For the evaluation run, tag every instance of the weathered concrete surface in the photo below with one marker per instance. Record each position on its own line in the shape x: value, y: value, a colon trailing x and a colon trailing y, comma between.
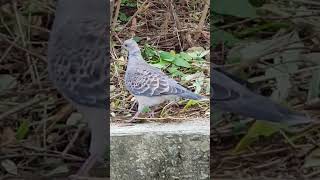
x: 160, y: 151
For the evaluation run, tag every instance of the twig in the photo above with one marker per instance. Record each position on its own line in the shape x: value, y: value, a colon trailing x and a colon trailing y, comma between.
x: 61, y: 114
x: 40, y: 154
x: 135, y: 14
x: 71, y: 143
x: 116, y: 14
x: 202, y: 20
x: 176, y: 21
x: 22, y: 48
x: 21, y: 106
x: 8, y: 50
x: 256, y: 154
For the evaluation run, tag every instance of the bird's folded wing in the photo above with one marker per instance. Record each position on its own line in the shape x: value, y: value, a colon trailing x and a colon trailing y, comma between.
x: 147, y: 82
x: 80, y: 68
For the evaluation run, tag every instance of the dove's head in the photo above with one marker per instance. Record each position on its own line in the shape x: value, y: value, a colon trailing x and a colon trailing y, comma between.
x: 131, y: 46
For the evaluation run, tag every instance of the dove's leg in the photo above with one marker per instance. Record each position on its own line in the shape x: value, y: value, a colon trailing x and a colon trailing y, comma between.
x: 134, y: 103
x: 99, y: 138
x: 133, y: 119
x: 141, y: 106
x: 151, y: 114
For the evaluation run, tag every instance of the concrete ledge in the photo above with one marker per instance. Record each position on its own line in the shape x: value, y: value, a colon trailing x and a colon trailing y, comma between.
x: 160, y: 150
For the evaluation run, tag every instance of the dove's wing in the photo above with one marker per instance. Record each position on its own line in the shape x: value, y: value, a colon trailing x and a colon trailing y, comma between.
x: 77, y: 63
x: 145, y: 80
x: 148, y: 82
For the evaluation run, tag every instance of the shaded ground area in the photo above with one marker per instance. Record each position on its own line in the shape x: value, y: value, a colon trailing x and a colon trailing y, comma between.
x: 277, y: 51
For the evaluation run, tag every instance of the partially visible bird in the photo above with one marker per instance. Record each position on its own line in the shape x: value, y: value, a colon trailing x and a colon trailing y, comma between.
x: 148, y: 84
x: 78, y: 64
x: 232, y: 96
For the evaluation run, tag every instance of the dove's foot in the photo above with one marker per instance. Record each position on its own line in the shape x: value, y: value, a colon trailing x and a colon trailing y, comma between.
x: 134, y: 118
x: 151, y: 114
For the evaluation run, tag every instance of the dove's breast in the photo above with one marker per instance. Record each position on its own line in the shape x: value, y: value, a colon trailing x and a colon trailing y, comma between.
x: 145, y: 101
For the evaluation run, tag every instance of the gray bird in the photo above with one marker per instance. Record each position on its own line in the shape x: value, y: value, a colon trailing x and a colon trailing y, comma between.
x: 229, y: 94
x: 78, y: 64
x: 148, y: 84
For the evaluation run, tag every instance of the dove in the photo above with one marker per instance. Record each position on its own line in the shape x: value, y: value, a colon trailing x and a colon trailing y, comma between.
x: 78, y: 64
x: 230, y: 95
x: 148, y: 84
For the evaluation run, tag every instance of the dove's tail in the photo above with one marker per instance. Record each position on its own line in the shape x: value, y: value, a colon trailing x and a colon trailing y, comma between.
x: 191, y: 95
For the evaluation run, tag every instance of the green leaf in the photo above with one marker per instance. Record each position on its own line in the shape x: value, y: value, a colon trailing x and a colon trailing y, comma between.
x: 149, y: 52
x: 161, y: 64
x: 128, y: 3
x: 198, y: 84
x: 185, y: 56
x: 175, y: 72
x: 190, y: 103
x: 259, y: 128
x: 197, y: 53
x: 166, y: 56
x: 146, y: 109
x: 137, y: 39
x: 181, y: 62
x: 22, y: 130
x: 238, y: 8
x: 123, y: 17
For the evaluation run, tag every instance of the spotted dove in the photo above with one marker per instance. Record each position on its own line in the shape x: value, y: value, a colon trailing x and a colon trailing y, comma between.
x: 148, y: 84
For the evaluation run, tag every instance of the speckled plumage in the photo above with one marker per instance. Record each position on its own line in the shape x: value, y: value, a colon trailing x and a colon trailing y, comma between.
x: 148, y: 84
x: 77, y: 57
x: 78, y: 64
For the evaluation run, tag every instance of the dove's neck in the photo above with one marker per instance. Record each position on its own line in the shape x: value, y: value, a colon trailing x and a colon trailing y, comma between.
x: 136, y: 57
x: 135, y: 52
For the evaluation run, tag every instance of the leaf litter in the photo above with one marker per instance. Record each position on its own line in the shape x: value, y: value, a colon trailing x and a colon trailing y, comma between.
x: 280, y: 61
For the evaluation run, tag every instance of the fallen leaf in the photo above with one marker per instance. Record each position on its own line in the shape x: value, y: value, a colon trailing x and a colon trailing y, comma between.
x: 10, y: 166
